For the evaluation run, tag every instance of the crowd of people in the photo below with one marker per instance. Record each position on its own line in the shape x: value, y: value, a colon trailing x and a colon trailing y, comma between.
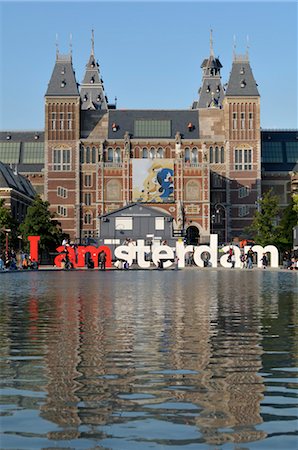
x: 11, y: 260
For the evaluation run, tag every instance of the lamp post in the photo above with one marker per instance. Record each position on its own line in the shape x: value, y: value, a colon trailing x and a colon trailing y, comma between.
x: 217, y: 208
x: 7, y: 231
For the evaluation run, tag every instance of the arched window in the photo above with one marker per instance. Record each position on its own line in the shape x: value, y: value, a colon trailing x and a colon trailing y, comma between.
x: 159, y: 153
x: 117, y: 155
x: 222, y: 155
x: 82, y: 155
x: 110, y: 154
x: 87, y: 155
x: 216, y: 155
x: 195, y: 156
x: 93, y: 155
x: 144, y: 153
x: 152, y: 153
x: 187, y: 155
x: 211, y: 155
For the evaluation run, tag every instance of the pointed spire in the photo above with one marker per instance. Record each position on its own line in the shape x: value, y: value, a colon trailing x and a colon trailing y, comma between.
x: 234, y: 47
x: 92, y: 42
x: 211, y: 43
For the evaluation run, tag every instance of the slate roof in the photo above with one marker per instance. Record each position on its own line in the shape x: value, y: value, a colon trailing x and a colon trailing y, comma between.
x: 211, y: 93
x: 9, y: 179
x: 92, y: 90
x: 241, y: 82
x: 21, y: 136
x: 63, y: 81
x: 89, y: 119
x: 124, y: 119
x: 134, y: 209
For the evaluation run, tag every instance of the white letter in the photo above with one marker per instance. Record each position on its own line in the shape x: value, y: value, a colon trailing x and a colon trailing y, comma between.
x: 163, y: 252
x: 224, y: 259
x: 267, y: 249
x: 180, y: 253
x: 212, y: 249
x: 125, y: 253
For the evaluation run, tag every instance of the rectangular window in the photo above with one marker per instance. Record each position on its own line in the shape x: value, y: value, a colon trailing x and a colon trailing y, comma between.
x: 247, y: 159
x: 242, y: 121
x: 250, y: 120
x: 53, y: 121
x: 243, y: 192
x: 88, y: 181
x: 62, y: 192
x: 61, y: 211
x: 243, y: 159
x: 243, y: 210
x: 61, y: 159
x: 152, y: 128
x: 61, y: 115
x: 272, y: 152
x: 292, y: 152
x: 234, y: 121
x: 123, y: 223
x: 159, y: 223
x: 69, y: 121
x: 88, y: 199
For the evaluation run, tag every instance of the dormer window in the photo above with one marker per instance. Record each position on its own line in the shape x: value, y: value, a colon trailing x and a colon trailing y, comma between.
x: 242, y: 71
x: 8, y: 137
x: 92, y: 80
x: 243, y: 84
x: 36, y: 137
x: 217, y: 89
x: 208, y: 89
x: 85, y: 98
x: 98, y: 98
x: 63, y: 83
x: 114, y: 127
x: 93, y: 64
x: 63, y: 71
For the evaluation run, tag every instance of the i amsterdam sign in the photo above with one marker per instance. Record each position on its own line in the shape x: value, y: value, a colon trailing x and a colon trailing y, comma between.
x: 165, y: 253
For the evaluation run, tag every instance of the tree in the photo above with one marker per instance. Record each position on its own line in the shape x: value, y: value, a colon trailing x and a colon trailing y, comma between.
x: 7, y: 223
x: 289, y: 220
x: 264, y: 227
x: 39, y: 221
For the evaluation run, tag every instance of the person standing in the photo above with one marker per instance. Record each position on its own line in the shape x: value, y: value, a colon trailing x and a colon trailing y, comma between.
x: 102, y: 260
x: 264, y: 260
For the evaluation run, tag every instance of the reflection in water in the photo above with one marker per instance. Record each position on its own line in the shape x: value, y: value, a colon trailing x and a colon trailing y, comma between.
x: 139, y: 360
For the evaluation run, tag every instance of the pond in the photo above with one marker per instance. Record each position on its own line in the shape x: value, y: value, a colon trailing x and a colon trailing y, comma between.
x: 138, y: 360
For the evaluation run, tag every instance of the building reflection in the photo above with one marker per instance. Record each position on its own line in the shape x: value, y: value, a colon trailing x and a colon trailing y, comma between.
x: 110, y: 352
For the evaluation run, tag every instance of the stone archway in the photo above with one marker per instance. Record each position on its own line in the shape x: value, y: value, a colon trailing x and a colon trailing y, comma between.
x: 192, y: 235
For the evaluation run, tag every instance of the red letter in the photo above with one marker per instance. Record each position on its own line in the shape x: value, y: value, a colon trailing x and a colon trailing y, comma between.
x: 34, y: 246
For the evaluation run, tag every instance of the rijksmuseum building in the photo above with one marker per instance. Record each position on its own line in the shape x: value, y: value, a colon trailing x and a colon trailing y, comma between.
x: 202, y: 169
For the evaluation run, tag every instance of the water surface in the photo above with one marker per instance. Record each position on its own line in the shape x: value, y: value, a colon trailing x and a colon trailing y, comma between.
x: 139, y: 360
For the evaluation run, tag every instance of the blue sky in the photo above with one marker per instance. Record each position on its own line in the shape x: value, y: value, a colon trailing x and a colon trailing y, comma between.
x: 149, y: 53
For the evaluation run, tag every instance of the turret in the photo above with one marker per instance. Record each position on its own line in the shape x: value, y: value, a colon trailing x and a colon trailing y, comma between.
x: 92, y: 90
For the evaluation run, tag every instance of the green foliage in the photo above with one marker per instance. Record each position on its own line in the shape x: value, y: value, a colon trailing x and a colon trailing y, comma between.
x: 289, y: 220
x: 39, y: 221
x: 7, y: 223
x: 295, y: 202
x: 264, y: 227
x: 272, y: 226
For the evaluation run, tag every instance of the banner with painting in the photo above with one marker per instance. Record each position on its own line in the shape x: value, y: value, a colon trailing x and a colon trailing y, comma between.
x: 153, y: 180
